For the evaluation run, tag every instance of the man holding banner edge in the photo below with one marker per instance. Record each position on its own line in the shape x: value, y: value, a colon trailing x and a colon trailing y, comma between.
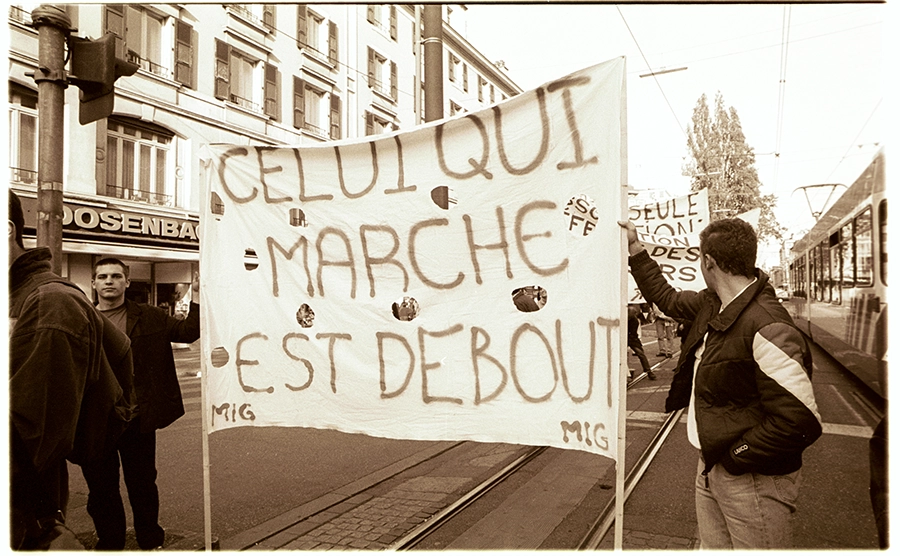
x: 751, y: 409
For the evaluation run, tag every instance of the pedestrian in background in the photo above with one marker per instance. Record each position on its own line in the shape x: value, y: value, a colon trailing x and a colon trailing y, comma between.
x: 159, y: 404
x: 665, y: 332
x: 65, y: 400
x: 744, y: 375
x: 634, y: 340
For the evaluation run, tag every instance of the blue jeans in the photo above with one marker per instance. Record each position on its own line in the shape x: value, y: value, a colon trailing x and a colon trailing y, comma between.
x: 745, y: 511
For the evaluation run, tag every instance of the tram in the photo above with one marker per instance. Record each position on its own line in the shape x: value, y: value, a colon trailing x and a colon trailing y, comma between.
x: 838, y: 279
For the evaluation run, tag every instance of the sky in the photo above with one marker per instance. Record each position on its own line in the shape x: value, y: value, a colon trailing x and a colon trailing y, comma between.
x: 807, y: 82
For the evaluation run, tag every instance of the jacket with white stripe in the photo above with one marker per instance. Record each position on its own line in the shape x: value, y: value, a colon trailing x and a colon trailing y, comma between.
x: 754, y: 401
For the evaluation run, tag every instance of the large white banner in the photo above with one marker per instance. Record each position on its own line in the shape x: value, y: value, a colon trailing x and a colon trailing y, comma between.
x: 458, y: 281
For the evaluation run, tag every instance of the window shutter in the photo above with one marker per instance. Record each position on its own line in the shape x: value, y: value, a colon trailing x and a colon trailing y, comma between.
x: 370, y: 123
x: 332, y: 42
x: 465, y: 77
x: 394, y: 81
x: 394, y: 22
x: 371, y: 55
x: 271, y: 92
x: 450, y: 74
x: 115, y: 19
x: 222, y: 72
x: 269, y: 16
x: 370, y: 13
x: 184, y: 53
x: 299, y: 105
x: 301, y: 26
x: 335, y: 116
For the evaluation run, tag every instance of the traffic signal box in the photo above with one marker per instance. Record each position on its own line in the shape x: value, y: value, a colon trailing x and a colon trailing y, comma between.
x: 95, y: 69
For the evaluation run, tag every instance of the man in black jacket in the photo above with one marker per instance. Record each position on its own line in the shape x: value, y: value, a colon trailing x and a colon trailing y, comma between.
x: 159, y: 404
x: 744, y: 375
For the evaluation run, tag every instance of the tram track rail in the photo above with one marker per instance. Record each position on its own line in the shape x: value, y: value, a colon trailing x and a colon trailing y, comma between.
x: 600, y: 526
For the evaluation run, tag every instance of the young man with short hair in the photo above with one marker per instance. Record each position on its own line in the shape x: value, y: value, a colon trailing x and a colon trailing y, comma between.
x: 744, y: 375
x: 159, y: 404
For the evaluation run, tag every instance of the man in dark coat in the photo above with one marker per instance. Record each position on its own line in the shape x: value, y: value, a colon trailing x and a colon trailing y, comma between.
x: 744, y: 375
x: 69, y: 390
x: 159, y: 404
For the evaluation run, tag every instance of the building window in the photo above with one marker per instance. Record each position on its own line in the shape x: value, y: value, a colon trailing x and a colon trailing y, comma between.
x: 481, y: 86
x: 383, y: 18
x: 452, y: 67
x: 245, y: 81
x: 455, y: 108
x: 382, y: 75
x: 316, y: 34
x: 258, y: 14
x: 465, y: 77
x: 23, y: 134
x: 492, y: 94
x: 376, y: 125
x: 316, y: 111
x: 137, y: 162
x: 143, y: 40
x: 154, y: 42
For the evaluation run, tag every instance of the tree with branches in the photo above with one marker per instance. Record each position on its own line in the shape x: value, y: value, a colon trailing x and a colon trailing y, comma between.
x: 722, y: 162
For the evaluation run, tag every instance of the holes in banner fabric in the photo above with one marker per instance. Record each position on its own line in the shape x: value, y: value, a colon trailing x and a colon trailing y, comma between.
x: 219, y: 357
x: 216, y: 206
x: 443, y: 197
x: 251, y: 261
x: 405, y: 309
x: 581, y: 215
x: 298, y: 218
x: 305, y: 316
x: 529, y: 298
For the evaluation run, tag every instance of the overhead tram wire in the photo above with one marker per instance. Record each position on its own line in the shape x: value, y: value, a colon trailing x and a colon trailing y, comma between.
x: 782, y: 84
x: 669, y: 104
x: 878, y: 104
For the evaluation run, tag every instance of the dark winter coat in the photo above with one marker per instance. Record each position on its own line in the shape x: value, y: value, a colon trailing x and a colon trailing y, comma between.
x: 152, y: 331
x: 754, y: 402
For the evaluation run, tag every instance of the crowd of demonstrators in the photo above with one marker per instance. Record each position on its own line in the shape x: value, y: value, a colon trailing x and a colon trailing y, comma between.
x: 69, y: 390
x: 744, y: 375
x: 159, y: 403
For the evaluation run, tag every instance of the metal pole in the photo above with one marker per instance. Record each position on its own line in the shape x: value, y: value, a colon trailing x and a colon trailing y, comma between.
x: 53, y: 25
x: 434, y: 62
x: 417, y: 94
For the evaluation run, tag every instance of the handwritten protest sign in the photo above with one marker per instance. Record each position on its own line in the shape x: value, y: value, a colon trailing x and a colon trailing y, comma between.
x: 670, y: 230
x: 457, y: 281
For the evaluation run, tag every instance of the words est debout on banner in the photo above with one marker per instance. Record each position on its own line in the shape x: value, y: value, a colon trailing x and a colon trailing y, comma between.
x: 460, y: 281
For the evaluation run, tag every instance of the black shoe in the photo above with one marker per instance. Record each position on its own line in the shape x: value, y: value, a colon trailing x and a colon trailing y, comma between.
x: 660, y: 354
x: 650, y: 375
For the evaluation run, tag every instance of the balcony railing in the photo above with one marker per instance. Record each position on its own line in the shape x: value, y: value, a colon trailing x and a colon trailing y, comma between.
x: 244, y: 103
x: 141, y: 196
x: 147, y: 65
x: 20, y: 15
x: 314, y: 129
x: 20, y: 175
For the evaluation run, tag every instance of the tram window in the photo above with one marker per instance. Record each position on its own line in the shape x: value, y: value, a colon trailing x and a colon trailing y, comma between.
x: 825, y: 267
x: 882, y: 239
x: 848, y: 279
x: 835, y: 272
x: 801, y: 281
x: 863, y: 243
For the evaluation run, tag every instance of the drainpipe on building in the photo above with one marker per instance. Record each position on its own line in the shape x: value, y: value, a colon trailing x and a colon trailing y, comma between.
x: 434, y: 63
x: 54, y: 26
